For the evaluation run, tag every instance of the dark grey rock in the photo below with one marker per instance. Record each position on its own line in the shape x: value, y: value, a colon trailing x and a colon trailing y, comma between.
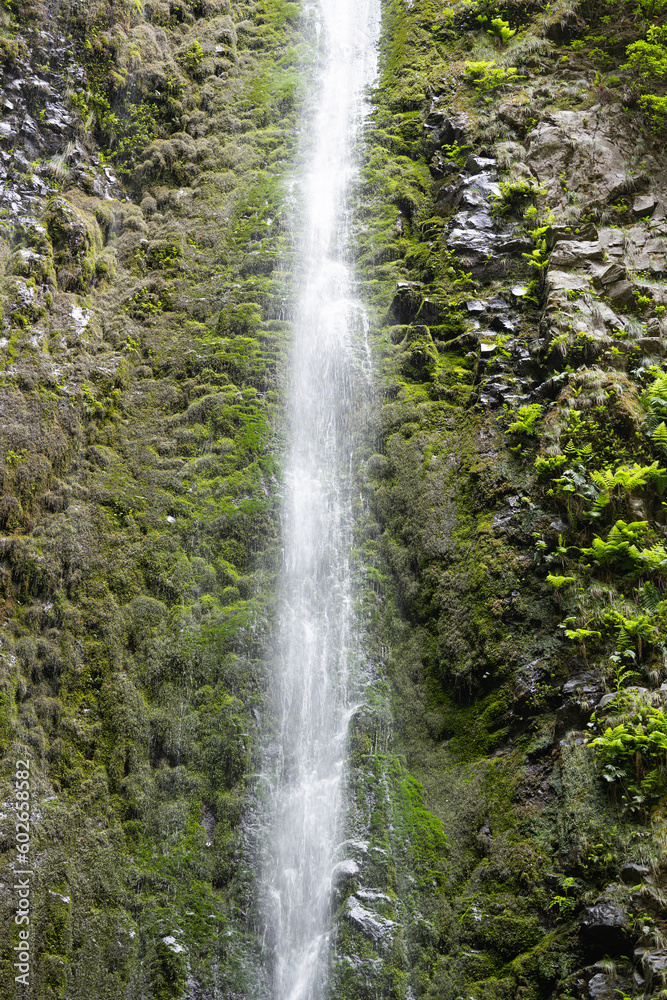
x: 558, y: 234
x: 444, y: 128
x: 375, y: 927
x: 440, y: 167
x: 515, y: 115
x: 620, y: 293
x: 652, y: 345
x: 406, y: 302
x: 477, y: 164
x: 602, y: 987
x: 503, y: 323
x: 479, y: 220
x: 479, y: 189
x: 605, y: 925
x: 606, y: 701
x: 637, y: 235
x: 476, y: 242
x: 608, y: 316
x: 655, y: 245
x: 654, y: 967
x: 613, y: 240
x: 584, y: 684
x: 562, y: 281
x: 632, y: 873
x: 514, y: 245
x: 607, y: 274
x: 569, y: 253
x: 644, y: 205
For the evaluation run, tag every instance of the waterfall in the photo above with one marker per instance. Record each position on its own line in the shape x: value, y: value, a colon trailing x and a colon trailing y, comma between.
x: 317, y: 646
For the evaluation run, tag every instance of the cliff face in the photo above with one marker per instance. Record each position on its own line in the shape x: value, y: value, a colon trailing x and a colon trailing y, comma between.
x: 509, y: 228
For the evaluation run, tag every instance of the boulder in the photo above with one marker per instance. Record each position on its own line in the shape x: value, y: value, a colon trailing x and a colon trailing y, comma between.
x: 479, y: 189
x: 569, y: 253
x: 562, y: 281
x: 514, y: 245
x: 473, y: 193
x: 344, y: 869
x: 644, y: 205
x: 613, y: 240
x: 443, y: 127
x: 608, y: 316
x: 478, y: 164
x: 620, y: 293
x: 605, y: 926
x: 607, y: 274
x: 515, y: 115
x: 602, y: 987
x: 479, y: 243
x: 652, y: 345
x: 556, y: 234
x: 479, y: 220
x: 373, y: 926
x: 406, y: 302
x: 637, y: 235
x: 654, y: 967
x: 632, y: 873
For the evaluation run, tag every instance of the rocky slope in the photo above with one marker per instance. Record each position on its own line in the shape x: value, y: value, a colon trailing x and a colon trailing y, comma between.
x: 510, y: 235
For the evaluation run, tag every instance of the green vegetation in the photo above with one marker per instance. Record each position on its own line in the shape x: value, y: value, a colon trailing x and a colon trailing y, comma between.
x: 508, y: 545
x: 487, y: 75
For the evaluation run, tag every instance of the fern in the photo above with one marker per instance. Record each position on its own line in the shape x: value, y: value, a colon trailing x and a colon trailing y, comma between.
x: 655, y: 401
x: 650, y: 598
x: 660, y: 435
x: 633, y: 632
x: 619, y: 549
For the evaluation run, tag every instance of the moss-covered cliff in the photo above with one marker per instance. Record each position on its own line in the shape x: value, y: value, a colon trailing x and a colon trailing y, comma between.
x: 510, y: 241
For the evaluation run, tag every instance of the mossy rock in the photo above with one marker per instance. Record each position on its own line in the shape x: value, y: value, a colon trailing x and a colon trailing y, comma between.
x: 27, y: 264
x: 76, y: 238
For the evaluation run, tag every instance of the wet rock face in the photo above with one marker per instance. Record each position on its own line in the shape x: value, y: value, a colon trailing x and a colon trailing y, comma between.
x: 602, y: 987
x: 473, y: 234
x: 74, y: 241
x: 378, y: 929
x: 443, y: 128
x: 585, y: 147
x: 605, y: 925
x: 633, y: 874
x: 40, y: 148
x: 654, y: 966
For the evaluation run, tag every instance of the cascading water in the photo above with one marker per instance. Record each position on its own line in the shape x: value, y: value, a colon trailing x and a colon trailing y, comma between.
x: 329, y: 379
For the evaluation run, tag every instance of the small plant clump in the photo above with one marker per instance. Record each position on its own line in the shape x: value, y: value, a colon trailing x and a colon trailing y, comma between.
x: 487, y: 75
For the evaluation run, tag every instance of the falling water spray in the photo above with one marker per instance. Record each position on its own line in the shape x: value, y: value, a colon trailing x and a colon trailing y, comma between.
x: 318, y: 650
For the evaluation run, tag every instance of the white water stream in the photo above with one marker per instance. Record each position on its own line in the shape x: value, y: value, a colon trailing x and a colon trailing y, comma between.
x: 317, y: 645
